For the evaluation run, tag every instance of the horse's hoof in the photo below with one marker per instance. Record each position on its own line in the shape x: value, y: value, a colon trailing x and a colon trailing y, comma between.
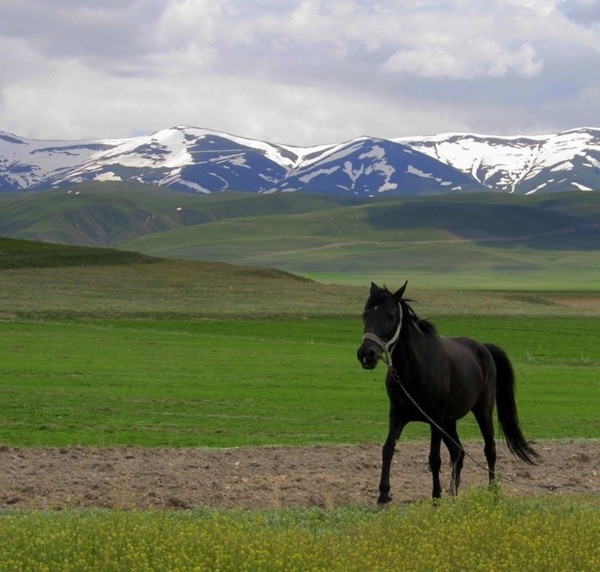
x: 384, y: 499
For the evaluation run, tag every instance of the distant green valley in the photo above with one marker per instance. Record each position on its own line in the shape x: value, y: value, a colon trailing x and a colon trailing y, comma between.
x: 488, y: 241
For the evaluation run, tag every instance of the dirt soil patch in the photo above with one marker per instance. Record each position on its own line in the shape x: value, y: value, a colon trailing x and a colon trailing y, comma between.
x: 580, y: 303
x: 267, y: 477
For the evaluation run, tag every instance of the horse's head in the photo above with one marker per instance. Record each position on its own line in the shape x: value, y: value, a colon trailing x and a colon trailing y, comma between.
x: 382, y: 318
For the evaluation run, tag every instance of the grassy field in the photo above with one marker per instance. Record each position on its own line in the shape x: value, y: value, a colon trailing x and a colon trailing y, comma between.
x: 104, y: 349
x: 259, y: 382
x: 123, y: 350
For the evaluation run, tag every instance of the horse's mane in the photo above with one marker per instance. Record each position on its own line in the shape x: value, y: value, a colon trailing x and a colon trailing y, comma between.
x: 424, y: 325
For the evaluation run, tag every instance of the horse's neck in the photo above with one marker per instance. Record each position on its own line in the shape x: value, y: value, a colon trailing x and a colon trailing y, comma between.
x: 414, y: 350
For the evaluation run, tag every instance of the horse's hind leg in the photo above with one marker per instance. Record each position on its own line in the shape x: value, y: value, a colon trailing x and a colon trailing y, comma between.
x: 486, y: 425
x: 457, y: 455
x: 387, y: 453
x: 435, y: 462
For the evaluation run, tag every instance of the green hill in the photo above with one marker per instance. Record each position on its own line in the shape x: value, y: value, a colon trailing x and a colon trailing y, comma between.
x: 109, y: 214
x: 479, y: 242
x: 476, y: 241
x: 39, y: 280
x: 20, y: 254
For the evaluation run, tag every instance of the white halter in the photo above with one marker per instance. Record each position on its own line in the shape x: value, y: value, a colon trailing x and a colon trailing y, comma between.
x: 387, y: 347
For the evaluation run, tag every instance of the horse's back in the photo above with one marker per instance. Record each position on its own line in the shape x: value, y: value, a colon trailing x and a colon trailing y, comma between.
x: 467, y: 352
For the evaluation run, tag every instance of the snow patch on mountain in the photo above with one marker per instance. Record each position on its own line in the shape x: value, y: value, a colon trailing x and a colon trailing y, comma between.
x: 317, y: 173
x: 581, y: 187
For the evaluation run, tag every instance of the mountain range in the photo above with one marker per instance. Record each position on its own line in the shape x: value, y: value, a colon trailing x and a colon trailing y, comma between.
x: 203, y: 161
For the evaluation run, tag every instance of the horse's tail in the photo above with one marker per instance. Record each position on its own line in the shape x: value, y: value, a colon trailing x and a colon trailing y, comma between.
x: 507, y: 407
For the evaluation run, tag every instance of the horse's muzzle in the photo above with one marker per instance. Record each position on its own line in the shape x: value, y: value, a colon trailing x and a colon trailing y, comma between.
x: 368, y: 355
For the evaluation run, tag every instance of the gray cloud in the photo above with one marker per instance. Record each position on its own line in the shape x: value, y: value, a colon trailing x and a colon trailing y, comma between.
x: 585, y: 12
x: 300, y: 72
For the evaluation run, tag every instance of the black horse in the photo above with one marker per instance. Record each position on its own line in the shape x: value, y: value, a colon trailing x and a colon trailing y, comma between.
x: 438, y: 380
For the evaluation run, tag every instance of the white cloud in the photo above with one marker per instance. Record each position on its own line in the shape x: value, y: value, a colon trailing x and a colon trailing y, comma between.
x: 486, y: 58
x: 300, y: 72
x: 86, y: 107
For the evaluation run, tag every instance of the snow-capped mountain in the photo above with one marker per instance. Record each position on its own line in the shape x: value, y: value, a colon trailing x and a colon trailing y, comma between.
x: 198, y: 160
x: 558, y: 162
x: 370, y: 166
x: 28, y: 164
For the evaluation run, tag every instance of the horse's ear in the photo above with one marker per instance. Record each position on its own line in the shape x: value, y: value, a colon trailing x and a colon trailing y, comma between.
x: 400, y: 292
x: 374, y: 288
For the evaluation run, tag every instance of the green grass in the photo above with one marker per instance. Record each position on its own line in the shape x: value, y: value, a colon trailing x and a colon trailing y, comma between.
x: 479, y: 531
x: 260, y: 382
x: 201, y: 383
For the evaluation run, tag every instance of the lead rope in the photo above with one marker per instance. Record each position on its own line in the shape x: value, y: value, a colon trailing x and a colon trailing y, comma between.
x: 495, y: 475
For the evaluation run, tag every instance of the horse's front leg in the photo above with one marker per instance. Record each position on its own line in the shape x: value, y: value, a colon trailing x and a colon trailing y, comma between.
x: 435, y: 462
x: 387, y: 453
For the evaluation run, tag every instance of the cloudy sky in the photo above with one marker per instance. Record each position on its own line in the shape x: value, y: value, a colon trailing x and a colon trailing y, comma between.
x: 301, y: 72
